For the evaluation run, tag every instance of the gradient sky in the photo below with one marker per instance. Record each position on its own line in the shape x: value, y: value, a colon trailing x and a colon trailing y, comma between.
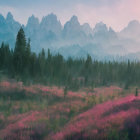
x: 115, y: 13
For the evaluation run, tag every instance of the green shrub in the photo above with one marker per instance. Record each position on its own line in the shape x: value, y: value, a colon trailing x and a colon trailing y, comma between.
x: 13, y: 95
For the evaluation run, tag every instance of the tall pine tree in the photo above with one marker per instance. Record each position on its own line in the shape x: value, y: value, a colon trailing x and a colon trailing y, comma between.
x: 20, y: 52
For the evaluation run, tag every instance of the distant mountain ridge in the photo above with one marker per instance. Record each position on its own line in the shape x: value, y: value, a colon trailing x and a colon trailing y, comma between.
x: 73, y: 39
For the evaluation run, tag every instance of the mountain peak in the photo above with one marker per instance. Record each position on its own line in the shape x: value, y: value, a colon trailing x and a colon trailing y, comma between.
x: 72, y: 23
x: 51, y: 23
x: 86, y: 28
x: 33, y: 21
x: 32, y: 17
x: 73, y: 29
x: 9, y: 16
x: 132, y: 30
x: 49, y: 18
x: 133, y: 26
x: 74, y: 19
x: 100, y: 27
x: 134, y: 23
x: 86, y: 25
x: 52, y: 15
x: 2, y: 18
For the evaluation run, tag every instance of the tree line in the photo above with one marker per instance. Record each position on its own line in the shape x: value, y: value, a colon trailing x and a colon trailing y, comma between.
x: 22, y: 64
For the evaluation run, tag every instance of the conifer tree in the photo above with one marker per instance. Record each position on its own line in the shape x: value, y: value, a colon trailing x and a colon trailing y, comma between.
x: 65, y: 91
x: 28, y: 50
x: 42, y: 62
x: 19, y: 59
x: 136, y: 92
x: 28, y: 58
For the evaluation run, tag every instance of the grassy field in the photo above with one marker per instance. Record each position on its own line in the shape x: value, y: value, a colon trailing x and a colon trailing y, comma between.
x: 39, y: 112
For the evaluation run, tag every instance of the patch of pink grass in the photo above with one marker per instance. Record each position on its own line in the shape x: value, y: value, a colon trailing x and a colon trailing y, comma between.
x: 107, y: 90
x: 10, y: 86
x: 20, y: 122
x: 55, y: 91
x: 63, y: 108
x: 93, y: 118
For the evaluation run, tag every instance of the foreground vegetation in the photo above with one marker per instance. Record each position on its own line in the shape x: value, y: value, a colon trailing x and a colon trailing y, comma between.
x: 40, y: 112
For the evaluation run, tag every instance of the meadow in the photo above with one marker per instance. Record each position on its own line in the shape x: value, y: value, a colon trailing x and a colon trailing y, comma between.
x: 39, y: 112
